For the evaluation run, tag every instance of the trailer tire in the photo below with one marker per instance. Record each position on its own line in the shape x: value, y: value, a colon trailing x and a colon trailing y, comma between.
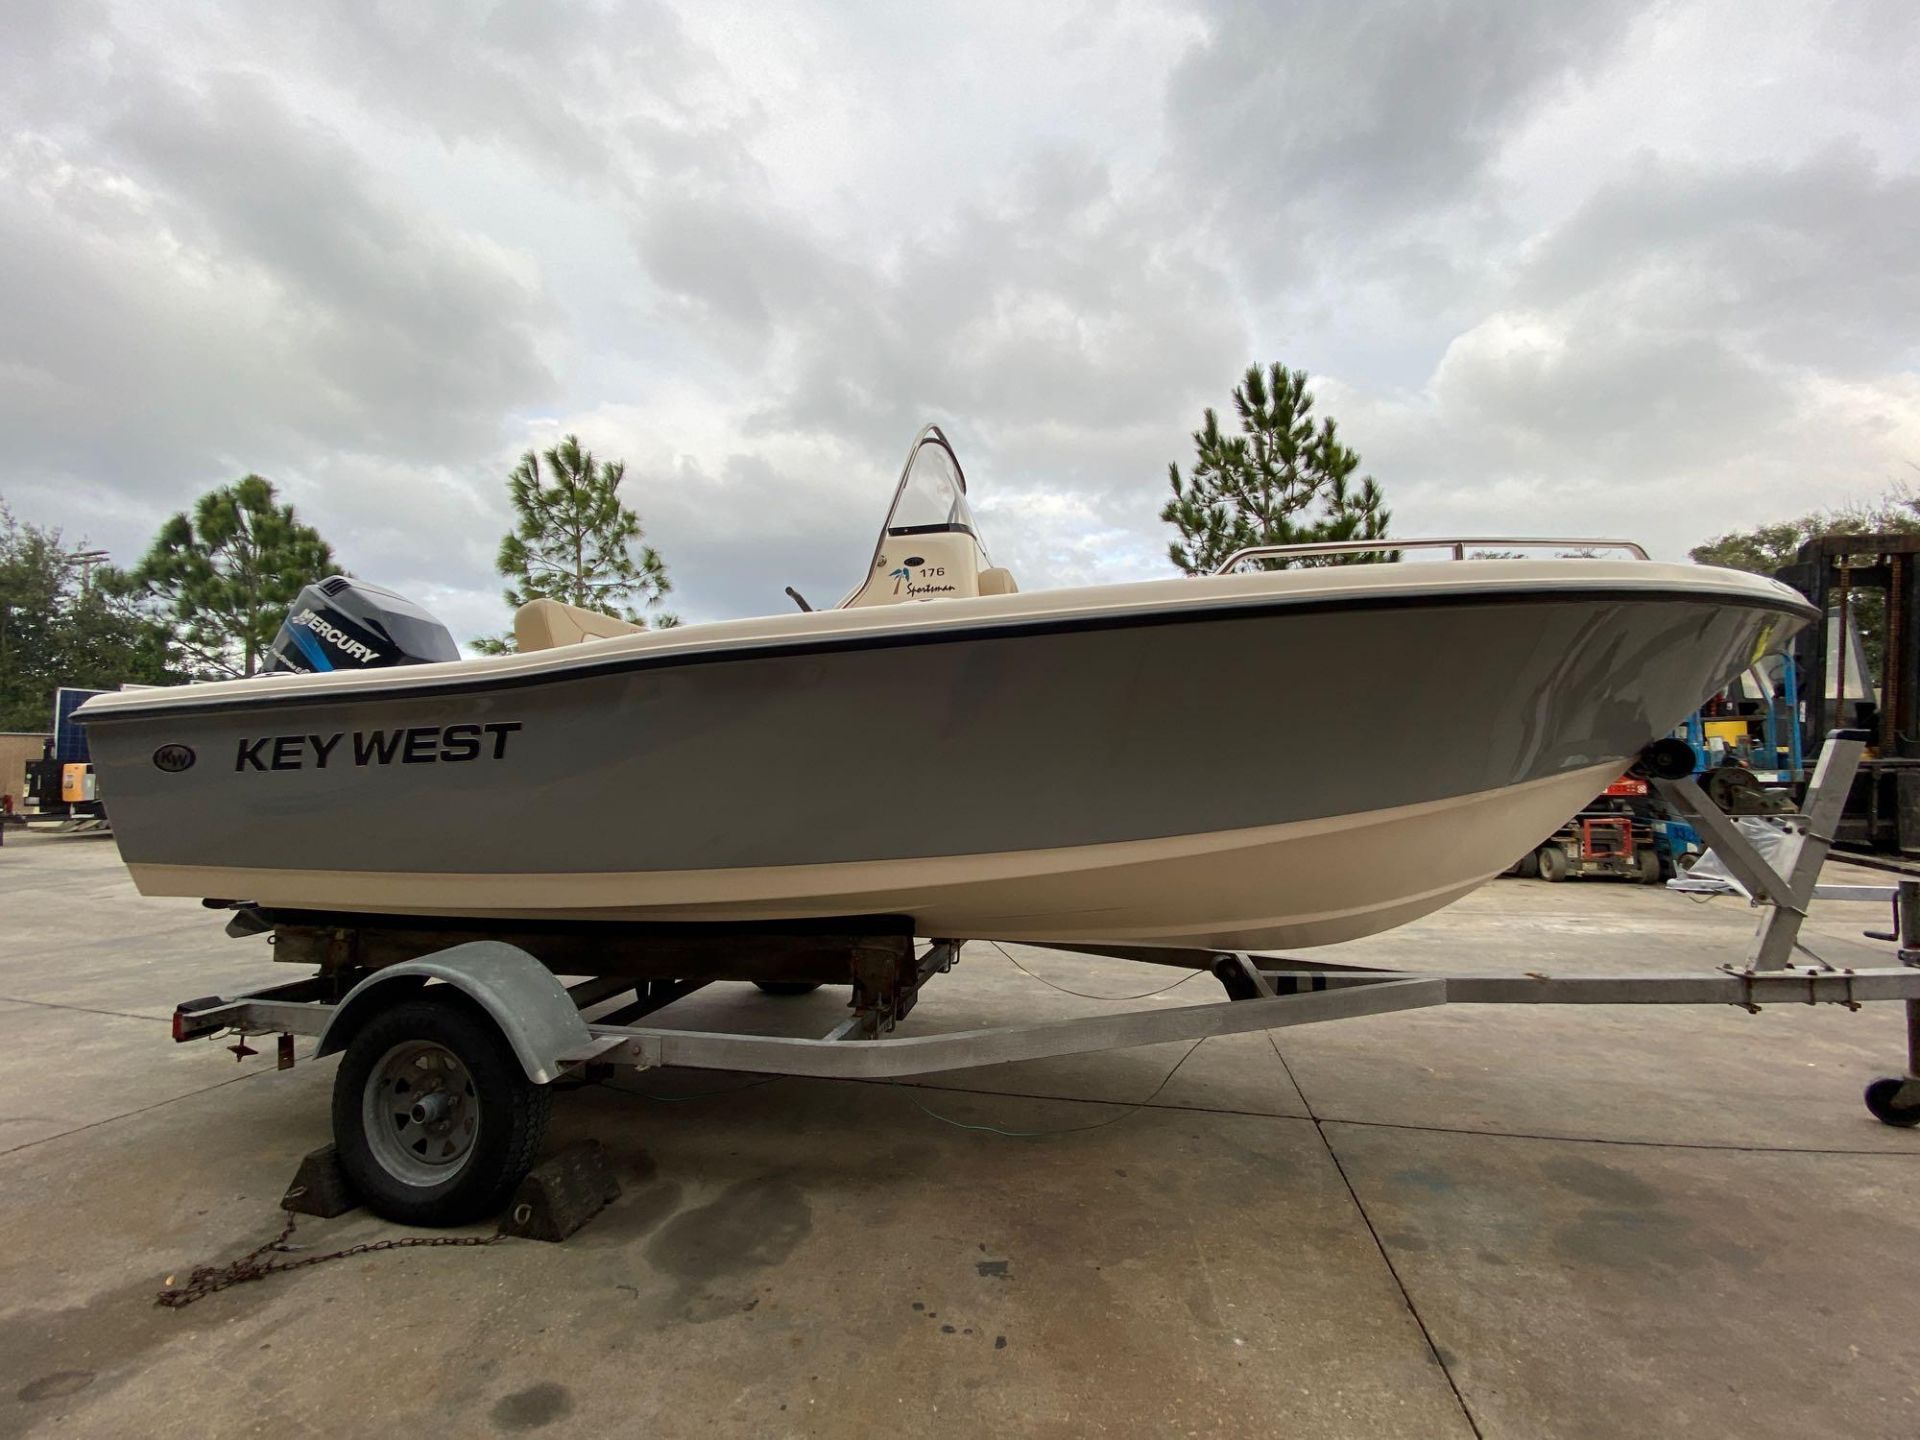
x: 1883, y: 1100
x: 435, y: 1161
x: 1553, y: 864
x: 1650, y: 869
x: 786, y: 987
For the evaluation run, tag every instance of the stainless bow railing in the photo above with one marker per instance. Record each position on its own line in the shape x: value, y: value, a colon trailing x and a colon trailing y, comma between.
x: 1459, y: 545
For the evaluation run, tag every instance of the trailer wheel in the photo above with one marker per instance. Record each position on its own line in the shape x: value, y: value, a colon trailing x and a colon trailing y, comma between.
x: 787, y: 987
x: 1553, y: 863
x: 434, y: 1120
x: 1883, y: 1099
x: 1650, y: 872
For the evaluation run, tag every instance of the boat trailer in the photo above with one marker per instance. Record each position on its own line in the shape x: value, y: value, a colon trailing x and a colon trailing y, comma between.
x: 440, y: 1028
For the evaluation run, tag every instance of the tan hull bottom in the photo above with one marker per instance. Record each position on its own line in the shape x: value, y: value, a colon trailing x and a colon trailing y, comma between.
x: 1311, y: 882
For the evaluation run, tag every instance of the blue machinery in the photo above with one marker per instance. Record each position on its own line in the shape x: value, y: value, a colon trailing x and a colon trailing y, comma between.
x: 1779, y: 759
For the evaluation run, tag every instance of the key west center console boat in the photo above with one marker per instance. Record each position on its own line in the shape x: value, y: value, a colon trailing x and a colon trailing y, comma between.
x: 1260, y: 758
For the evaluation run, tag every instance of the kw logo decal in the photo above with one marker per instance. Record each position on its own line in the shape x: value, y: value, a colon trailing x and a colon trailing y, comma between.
x: 173, y: 758
x: 415, y: 745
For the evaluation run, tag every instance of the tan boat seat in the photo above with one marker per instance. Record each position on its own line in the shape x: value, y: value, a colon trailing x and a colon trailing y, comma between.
x: 547, y: 624
x: 997, y: 580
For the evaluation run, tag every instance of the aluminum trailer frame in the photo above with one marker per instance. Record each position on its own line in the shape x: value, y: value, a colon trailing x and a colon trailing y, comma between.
x: 436, y: 1041
x: 1265, y: 992
x: 1290, y: 997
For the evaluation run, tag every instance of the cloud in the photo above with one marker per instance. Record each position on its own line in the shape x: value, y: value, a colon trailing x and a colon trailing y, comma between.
x: 1344, y: 120
x: 1629, y: 266
x: 1693, y: 349
x: 1808, y: 262
x: 213, y: 275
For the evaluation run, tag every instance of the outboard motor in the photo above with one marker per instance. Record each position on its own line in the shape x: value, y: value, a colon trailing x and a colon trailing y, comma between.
x: 345, y: 624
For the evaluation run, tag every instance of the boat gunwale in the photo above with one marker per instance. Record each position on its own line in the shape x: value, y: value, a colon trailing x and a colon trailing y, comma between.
x: 591, y: 662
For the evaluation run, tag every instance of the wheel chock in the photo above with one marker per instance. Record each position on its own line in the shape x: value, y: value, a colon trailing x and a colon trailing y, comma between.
x: 562, y: 1193
x: 320, y: 1187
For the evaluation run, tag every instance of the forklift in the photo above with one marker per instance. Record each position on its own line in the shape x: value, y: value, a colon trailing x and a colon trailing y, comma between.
x: 1613, y: 838
x: 1840, y: 574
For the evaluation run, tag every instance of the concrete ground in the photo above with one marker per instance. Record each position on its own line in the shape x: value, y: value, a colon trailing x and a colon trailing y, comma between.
x: 1473, y: 1221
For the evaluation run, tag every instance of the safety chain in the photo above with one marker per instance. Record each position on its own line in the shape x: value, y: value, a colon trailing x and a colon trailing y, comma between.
x: 207, y: 1279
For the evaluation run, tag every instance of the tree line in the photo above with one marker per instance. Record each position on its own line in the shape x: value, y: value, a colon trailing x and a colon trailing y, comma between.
x: 60, y: 626
x: 1766, y: 548
x: 208, y: 596
x: 210, y: 593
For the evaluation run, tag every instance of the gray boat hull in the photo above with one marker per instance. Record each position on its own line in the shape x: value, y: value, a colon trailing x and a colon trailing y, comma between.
x: 1257, y: 774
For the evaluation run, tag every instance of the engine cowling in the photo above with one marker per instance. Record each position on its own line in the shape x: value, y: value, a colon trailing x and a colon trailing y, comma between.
x: 345, y: 624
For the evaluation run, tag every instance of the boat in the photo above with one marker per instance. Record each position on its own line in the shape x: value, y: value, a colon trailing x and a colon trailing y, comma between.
x: 1293, y: 752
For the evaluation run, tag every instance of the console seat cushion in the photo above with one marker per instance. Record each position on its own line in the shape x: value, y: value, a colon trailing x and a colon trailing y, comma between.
x: 546, y: 624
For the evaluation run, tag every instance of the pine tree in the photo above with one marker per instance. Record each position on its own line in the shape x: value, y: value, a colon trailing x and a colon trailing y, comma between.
x: 222, y: 579
x: 1281, y: 481
x: 574, y: 540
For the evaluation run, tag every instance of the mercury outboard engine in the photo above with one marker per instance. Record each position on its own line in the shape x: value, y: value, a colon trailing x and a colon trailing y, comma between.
x: 344, y: 624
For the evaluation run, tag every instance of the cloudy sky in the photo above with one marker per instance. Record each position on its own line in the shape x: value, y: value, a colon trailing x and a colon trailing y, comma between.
x: 1601, y: 267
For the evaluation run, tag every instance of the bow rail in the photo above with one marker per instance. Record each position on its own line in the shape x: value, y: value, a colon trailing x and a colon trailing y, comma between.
x: 1457, y: 544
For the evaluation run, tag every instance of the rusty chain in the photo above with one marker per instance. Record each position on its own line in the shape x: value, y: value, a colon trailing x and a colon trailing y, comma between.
x: 208, y: 1279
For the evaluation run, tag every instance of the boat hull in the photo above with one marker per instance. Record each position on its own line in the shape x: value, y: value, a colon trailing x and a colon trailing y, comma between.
x: 1290, y: 769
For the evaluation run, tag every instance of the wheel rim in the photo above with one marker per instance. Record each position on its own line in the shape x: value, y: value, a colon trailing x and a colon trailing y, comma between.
x: 420, y: 1113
